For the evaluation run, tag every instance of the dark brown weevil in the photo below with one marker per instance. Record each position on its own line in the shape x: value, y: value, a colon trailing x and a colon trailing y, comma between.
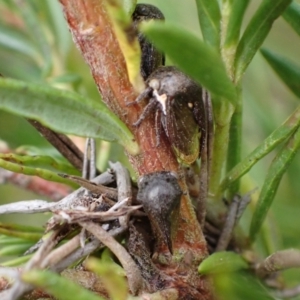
x: 160, y: 195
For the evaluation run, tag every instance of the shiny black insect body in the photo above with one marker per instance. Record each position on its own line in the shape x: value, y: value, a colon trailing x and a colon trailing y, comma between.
x: 160, y: 194
x: 176, y: 101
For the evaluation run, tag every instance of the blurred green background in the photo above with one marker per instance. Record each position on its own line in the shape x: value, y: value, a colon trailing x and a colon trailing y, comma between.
x: 267, y: 103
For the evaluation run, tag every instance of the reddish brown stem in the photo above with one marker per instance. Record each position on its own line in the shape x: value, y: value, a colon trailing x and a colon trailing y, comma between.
x: 94, y: 36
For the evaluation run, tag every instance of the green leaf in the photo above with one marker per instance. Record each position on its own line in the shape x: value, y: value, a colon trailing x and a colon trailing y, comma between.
x: 33, y: 26
x: 64, y: 111
x: 111, y: 277
x: 234, y: 11
x: 276, y: 137
x: 128, y: 6
x: 276, y: 170
x: 18, y: 66
x: 17, y: 261
x: 222, y: 262
x: 61, y: 288
x: 15, y: 231
x: 6, y: 240
x: 15, y: 40
x: 192, y: 56
x: 22, y: 227
x: 17, y: 249
x: 46, y: 162
x: 57, y: 23
x: 239, y: 286
x: 287, y: 70
x: 42, y: 173
x: 256, y: 32
x: 209, y: 18
x: 292, y: 16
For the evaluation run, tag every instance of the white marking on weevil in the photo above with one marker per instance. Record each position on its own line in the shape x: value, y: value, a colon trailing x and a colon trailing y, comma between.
x: 162, y: 99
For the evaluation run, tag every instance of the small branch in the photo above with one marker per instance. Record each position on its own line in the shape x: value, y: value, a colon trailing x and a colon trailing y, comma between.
x: 51, y: 190
x: 62, y: 143
x: 288, y: 293
x: 92, y: 187
x: 235, y: 211
x: 132, y: 271
x: 124, y: 188
x: 27, y: 207
x: 83, y: 252
x: 89, y: 168
x: 69, y: 202
x: 279, y: 261
x: 75, y: 216
x: 60, y: 253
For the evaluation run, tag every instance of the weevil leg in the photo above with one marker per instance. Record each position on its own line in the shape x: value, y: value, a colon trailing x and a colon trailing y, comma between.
x: 150, y: 107
x: 158, y: 127
x: 143, y: 95
x: 210, y: 129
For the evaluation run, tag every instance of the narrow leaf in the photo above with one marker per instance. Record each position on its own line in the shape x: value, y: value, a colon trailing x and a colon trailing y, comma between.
x: 9, y: 241
x: 192, y: 56
x: 45, y: 174
x: 256, y: 32
x: 46, y: 162
x: 110, y: 275
x: 235, y: 10
x: 57, y: 23
x: 14, y: 40
x: 22, y: 227
x: 277, y: 137
x: 209, y: 18
x: 222, y: 262
x: 292, y: 16
x: 128, y: 6
x: 61, y: 288
x: 17, y: 261
x: 287, y: 70
x: 64, y: 111
x: 277, y: 168
x: 33, y: 24
x: 29, y: 236
x: 17, y: 249
x: 240, y: 286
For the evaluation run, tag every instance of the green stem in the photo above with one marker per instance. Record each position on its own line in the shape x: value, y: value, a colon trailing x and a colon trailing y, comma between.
x: 223, y: 113
x: 235, y: 142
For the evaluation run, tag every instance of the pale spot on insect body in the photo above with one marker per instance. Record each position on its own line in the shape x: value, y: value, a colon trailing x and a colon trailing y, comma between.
x: 162, y: 99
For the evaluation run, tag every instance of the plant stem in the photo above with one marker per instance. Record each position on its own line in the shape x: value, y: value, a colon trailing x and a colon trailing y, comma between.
x: 235, y: 142
x: 223, y: 114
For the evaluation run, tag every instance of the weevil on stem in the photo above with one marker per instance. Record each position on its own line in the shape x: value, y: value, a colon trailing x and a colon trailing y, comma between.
x: 160, y: 195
